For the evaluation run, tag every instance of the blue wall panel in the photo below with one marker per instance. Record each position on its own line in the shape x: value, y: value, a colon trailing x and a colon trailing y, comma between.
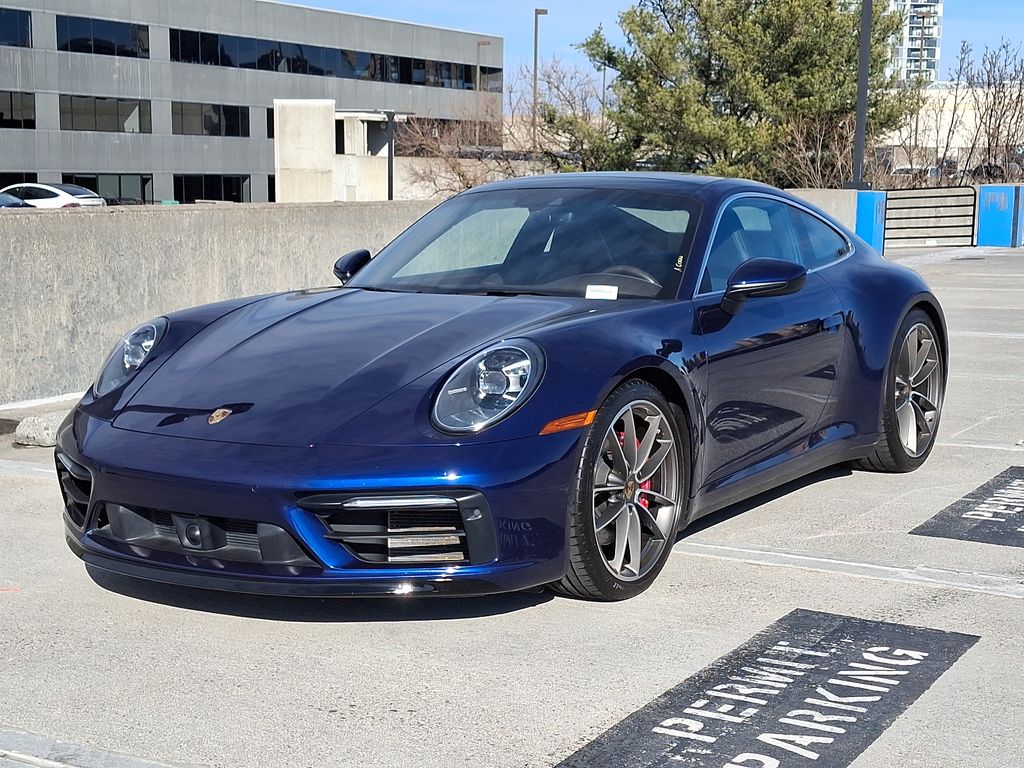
x: 996, y: 215
x: 871, y: 218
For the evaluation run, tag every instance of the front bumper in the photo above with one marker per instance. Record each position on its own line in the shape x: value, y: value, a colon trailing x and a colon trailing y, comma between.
x: 517, y: 542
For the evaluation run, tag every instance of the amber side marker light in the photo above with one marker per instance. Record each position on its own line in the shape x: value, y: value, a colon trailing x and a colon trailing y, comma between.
x: 575, y: 421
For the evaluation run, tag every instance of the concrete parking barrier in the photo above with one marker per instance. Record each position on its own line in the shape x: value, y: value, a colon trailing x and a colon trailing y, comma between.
x: 75, y: 281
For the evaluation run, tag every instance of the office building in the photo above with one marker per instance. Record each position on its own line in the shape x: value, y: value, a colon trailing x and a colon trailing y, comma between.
x: 173, y: 99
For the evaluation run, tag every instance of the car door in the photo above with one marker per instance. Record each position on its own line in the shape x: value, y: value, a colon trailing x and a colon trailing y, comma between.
x: 771, y: 366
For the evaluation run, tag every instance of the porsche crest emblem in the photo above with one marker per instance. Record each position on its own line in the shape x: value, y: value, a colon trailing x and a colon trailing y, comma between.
x: 219, y: 415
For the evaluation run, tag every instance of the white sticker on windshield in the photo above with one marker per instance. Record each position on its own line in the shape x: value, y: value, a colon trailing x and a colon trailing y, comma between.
x: 607, y: 292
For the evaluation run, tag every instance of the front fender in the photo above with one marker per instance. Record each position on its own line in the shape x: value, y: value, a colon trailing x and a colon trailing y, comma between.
x: 586, y: 358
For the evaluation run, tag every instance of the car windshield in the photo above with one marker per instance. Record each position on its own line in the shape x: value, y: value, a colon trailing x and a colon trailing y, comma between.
x: 6, y: 199
x: 597, y: 243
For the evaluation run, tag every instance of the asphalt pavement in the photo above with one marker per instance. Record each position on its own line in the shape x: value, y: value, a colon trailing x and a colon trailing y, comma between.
x: 97, y: 670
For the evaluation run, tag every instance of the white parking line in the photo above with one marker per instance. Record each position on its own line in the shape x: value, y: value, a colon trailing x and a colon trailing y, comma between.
x: 69, y: 397
x: 979, y: 444
x: 25, y: 469
x: 36, y: 762
x: 993, y: 377
x: 1000, y: 586
x: 988, y: 334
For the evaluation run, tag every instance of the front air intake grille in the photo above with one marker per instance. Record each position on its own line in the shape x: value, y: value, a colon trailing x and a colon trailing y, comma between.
x: 408, y: 529
x: 75, y: 487
x: 200, y: 536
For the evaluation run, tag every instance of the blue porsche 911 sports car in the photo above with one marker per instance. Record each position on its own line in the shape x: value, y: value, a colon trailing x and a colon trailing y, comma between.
x: 541, y: 382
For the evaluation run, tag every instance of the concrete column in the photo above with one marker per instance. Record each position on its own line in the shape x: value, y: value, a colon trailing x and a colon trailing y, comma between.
x: 160, y: 111
x: 159, y: 43
x: 163, y: 186
x: 304, y: 150
x: 44, y: 30
x: 258, y: 122
x: 47, y: 111
x: 258, y: 187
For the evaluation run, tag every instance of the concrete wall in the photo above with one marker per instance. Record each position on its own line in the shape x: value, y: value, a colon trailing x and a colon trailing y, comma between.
x: 839, y: 203
x: 76, y: 281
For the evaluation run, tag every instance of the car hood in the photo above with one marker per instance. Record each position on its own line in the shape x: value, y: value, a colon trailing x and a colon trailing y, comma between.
x: 294, y: 367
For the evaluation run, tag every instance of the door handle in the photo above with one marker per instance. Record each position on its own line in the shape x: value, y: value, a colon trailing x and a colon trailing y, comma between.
x: 832, y: 323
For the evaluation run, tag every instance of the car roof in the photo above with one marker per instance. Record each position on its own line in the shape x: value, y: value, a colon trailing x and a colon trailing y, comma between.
x: 72, y: 190
x: 652, y: 181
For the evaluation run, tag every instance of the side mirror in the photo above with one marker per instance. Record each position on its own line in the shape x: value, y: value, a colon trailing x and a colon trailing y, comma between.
x: 346, y: 267
x: 762, y: 277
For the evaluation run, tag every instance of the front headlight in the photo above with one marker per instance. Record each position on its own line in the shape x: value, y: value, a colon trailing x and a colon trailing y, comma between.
x: 128, y: 356
x: 488, y: 387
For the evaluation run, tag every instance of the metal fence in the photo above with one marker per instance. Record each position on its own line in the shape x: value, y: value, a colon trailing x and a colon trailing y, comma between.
x: 939, y: 217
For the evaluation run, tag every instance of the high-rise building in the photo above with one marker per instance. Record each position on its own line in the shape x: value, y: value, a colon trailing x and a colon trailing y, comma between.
x: 919, y: 45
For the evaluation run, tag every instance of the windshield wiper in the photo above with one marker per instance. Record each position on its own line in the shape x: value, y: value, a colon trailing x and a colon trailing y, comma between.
x: 508, y: 292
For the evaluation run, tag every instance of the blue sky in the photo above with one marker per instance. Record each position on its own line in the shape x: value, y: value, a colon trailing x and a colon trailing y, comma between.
x: 983, y: 22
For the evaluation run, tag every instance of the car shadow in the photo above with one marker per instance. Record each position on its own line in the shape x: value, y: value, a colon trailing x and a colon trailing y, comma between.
x: 709, y: 521
x: 314, y: 609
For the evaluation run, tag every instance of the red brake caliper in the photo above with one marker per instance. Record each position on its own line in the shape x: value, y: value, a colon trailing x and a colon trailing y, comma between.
x: 646, y: 484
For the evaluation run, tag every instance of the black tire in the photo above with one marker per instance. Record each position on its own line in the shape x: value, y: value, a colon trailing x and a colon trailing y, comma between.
x: 589, y: 576
x: 889, y: 454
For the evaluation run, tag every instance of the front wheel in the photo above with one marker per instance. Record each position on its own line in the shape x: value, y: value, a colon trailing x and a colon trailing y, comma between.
x: 914, y: 388
x: 628, y: 496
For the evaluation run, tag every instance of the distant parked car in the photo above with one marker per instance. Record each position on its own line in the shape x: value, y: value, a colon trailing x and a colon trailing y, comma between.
x: 10, y: 201
x: 55, y: 195
x: 912, y: 171
x: 124, y: 201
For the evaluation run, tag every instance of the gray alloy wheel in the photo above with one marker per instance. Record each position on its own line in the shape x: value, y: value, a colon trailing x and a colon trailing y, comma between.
x: 636, y: 481
x: 919, y: 389
x: 628, y: 498
x: 912, y: 404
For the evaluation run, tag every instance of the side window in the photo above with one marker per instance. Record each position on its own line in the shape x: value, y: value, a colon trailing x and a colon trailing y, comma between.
x: 36, y: 193
x: 750, y: 228
x: 18, y: 192
x: 821, y: 244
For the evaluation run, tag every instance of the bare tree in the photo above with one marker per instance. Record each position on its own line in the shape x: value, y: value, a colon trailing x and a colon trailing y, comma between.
x: 490, y: 144
x: 970, y: 129
x: 996, y: 86
x: 818, y: 152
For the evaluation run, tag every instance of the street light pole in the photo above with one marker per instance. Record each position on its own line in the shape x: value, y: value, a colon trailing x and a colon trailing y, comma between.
x: 537, y: 13
x: 479, y: 87
x: 604, y: 91
x: 391, y: 154
x: 860, y: 138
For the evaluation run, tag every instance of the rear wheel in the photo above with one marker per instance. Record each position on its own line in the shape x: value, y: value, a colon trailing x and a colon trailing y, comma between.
x: 915, y: 386
x: 629, y: 486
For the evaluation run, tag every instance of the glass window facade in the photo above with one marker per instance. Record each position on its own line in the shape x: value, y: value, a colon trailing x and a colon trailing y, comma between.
x: 190, y: 119
x: 117, y: 188
x: 17, y: 110
x: 95, y: 113
x: 78, y: 34
x: 7, y: 178
x: 211, y: 48
x: 188, y: 188
x: 15, y: 28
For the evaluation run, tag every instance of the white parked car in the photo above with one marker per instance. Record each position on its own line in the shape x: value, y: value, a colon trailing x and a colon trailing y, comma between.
x: 55, y: 195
